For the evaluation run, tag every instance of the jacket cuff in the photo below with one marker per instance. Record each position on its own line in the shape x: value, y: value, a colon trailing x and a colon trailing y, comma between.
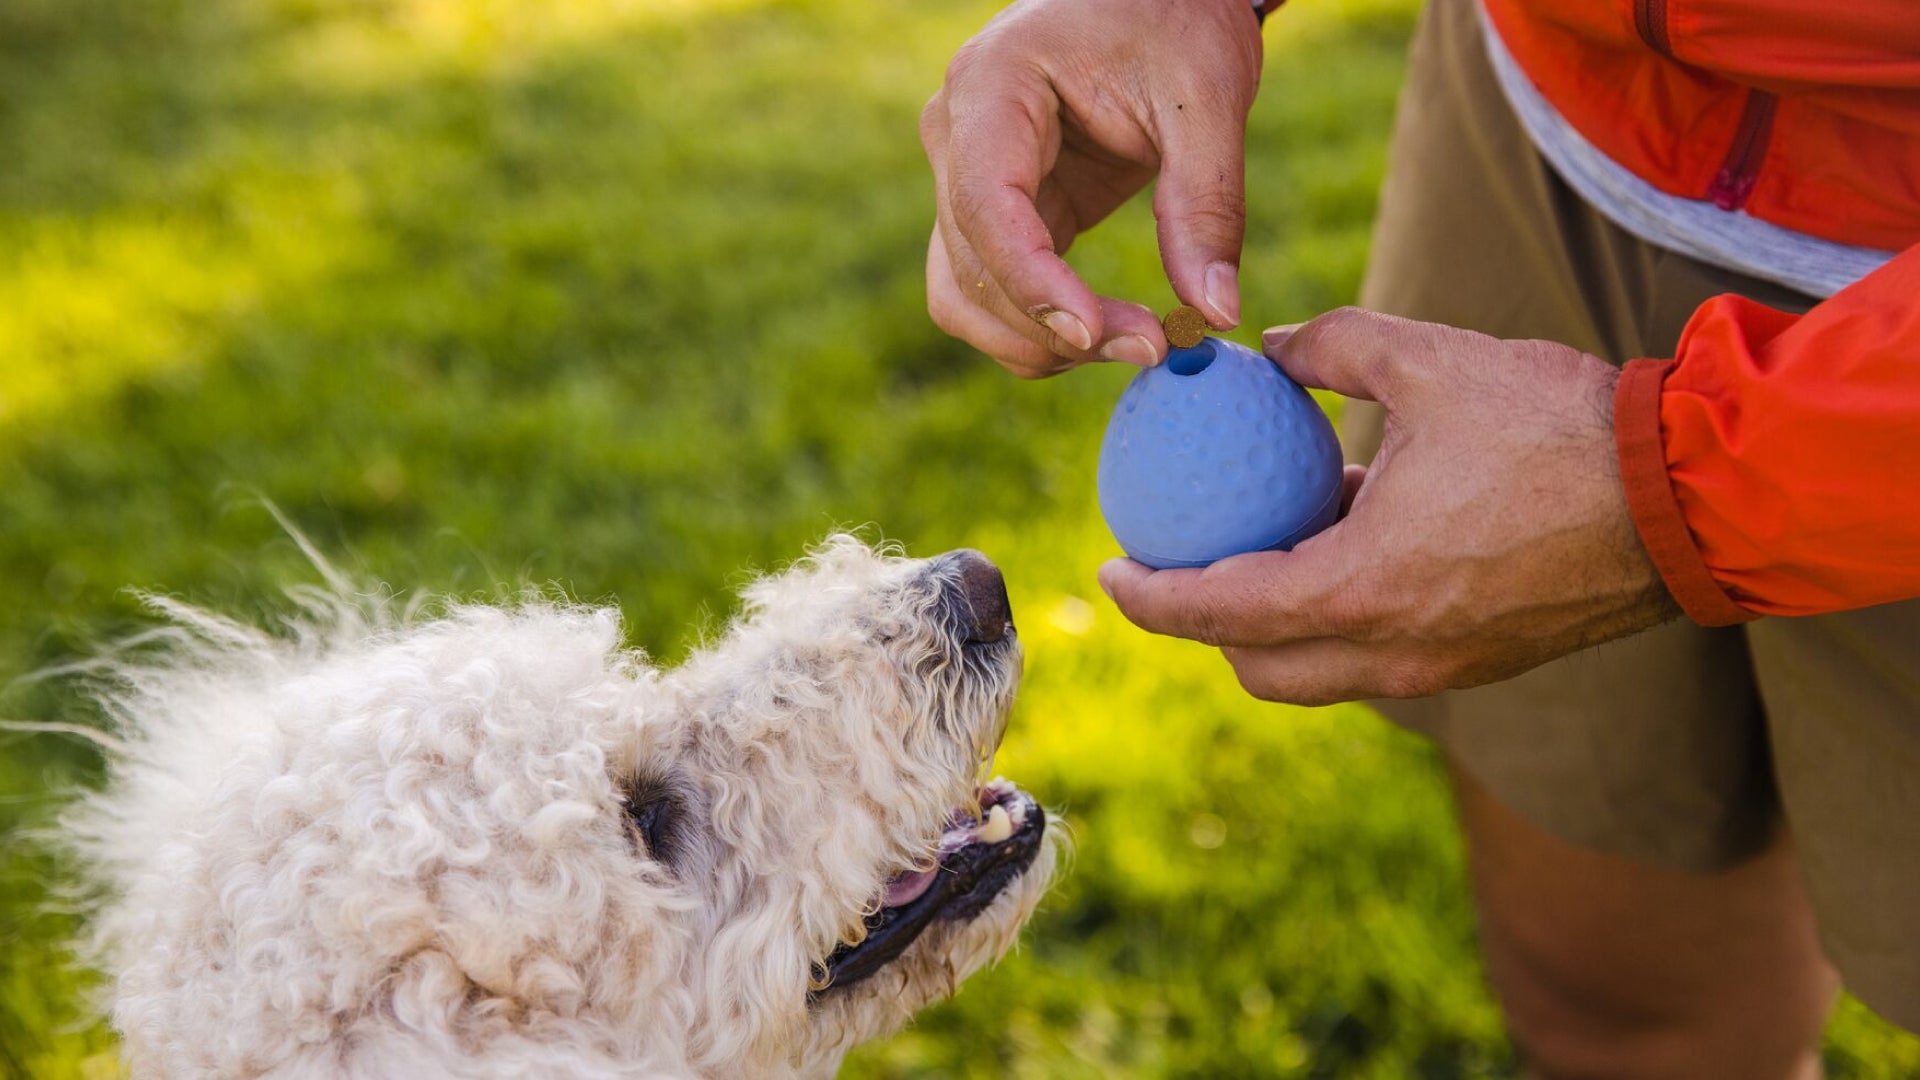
x: 1656, y: 513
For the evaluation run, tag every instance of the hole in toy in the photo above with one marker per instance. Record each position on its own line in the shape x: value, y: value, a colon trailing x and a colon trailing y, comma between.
x: 1190, y: 361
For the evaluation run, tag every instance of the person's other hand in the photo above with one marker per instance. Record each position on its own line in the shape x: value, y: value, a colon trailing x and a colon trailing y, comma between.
x: 1491, y: 533
x: 1052, y: 116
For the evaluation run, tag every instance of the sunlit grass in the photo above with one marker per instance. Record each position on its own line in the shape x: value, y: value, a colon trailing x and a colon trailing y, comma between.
x: 96, y: 301
x: 368, y: 45
x: 625, y: 296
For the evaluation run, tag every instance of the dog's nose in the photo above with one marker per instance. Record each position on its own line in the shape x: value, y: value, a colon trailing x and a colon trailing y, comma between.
x: 987, y: 614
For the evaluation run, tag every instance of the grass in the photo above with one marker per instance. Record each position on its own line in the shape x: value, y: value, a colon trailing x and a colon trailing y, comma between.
x: 626, y: 297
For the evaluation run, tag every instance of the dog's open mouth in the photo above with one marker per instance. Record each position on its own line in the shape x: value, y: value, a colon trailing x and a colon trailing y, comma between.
x: 978, y: 856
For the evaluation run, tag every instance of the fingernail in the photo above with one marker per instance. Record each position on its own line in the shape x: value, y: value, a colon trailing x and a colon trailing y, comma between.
x: 1275, y: 336
x: 1131, y: 349
x: 1069, y: 327
x: 1223, y: 293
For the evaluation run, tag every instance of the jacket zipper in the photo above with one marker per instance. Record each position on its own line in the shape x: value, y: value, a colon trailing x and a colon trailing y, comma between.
x: 1734, y: 182
x: 1650, y: 18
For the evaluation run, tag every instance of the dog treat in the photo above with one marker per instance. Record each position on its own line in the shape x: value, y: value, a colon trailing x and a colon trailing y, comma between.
x: 1185, y: 326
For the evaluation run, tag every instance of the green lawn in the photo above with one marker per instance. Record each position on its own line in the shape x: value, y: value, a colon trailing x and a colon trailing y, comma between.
x: 626, y: 296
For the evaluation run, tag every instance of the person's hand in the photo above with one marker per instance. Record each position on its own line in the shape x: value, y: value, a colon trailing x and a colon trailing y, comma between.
x: 1490, y: 535
x: 1052, y: 116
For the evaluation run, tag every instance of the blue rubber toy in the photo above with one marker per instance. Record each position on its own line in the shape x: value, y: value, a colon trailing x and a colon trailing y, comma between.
x: 1214, y: 453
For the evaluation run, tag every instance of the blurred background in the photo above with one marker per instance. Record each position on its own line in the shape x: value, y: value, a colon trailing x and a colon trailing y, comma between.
x: 626, y: 296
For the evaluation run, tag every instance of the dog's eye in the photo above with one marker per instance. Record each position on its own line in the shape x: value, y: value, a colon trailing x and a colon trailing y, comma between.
x: 655, y: 811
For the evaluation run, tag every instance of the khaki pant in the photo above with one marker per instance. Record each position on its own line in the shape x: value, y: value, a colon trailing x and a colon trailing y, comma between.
x: 1682, y: 746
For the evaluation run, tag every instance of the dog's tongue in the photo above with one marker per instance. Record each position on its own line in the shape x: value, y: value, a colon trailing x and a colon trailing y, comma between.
x: 908, y: 887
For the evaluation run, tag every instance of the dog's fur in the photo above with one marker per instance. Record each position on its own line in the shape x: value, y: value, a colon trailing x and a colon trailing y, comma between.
x: 383, y: 846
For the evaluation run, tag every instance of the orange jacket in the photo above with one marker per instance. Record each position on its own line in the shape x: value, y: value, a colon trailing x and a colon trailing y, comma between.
x: 1773, y: 465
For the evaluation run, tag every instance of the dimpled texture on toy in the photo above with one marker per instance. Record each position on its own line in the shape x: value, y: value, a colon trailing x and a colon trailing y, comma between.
x: 1214, y: 453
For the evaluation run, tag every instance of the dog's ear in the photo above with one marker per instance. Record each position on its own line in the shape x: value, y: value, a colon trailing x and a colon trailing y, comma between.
x: 648, y: 704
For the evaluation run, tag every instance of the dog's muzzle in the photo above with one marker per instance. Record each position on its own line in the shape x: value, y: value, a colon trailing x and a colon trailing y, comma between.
x: 986, y: 615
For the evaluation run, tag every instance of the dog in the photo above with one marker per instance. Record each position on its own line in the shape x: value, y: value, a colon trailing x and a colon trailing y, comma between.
x: 494, y: 843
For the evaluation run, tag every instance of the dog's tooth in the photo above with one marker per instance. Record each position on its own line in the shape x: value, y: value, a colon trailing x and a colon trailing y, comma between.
x: 998, y: 827
x: 1019, y: 812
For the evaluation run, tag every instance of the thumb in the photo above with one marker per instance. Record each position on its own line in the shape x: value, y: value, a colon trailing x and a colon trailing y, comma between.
x: 1350, y: 351
x: 1200, y: 203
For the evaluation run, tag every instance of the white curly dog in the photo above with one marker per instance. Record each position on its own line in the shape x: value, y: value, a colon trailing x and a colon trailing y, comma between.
x: 493, y: 843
